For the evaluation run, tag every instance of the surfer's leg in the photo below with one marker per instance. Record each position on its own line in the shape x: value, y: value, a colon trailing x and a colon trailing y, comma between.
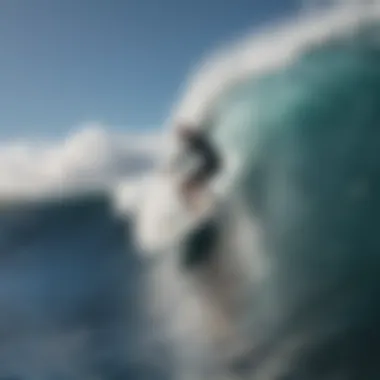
x: 195, y: 187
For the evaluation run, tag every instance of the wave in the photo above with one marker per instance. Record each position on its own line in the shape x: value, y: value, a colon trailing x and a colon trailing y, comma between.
x: 244, y: 93
x: 297, y: 108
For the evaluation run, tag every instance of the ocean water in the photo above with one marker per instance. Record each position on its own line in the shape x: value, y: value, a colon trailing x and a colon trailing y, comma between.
x: 70, y: 294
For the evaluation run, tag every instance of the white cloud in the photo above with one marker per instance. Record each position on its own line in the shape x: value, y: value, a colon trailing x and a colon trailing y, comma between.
x: 91, y: 158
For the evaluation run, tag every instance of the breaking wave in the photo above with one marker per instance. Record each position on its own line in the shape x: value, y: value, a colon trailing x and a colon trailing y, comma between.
x: 295, y: 111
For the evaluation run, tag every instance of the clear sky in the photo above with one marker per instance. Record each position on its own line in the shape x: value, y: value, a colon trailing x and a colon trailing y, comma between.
x: 120, y: 62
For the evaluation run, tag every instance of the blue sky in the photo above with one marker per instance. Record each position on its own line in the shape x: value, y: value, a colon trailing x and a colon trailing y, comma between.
x: 120, y: 62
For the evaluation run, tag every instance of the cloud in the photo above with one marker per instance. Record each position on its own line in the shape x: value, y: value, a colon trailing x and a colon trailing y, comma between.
x: 92, y: 157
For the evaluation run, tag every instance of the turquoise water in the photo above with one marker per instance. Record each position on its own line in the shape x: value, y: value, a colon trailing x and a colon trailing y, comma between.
x: 307, y: 137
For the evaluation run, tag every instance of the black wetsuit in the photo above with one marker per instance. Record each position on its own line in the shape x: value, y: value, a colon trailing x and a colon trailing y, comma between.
x: 199, y: 145
x: 199, y: 246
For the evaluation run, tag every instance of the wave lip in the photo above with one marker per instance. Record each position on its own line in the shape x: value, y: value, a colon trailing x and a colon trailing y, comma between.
x: 266, y: 50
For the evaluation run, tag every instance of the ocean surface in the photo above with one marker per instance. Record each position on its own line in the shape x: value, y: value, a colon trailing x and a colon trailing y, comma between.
x: 70, y: 295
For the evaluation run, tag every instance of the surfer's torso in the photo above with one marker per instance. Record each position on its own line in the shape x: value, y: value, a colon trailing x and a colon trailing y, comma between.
x: 199, y: 145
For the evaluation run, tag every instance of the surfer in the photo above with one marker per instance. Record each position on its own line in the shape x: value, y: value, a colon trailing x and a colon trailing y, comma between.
x: 198, y: 144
